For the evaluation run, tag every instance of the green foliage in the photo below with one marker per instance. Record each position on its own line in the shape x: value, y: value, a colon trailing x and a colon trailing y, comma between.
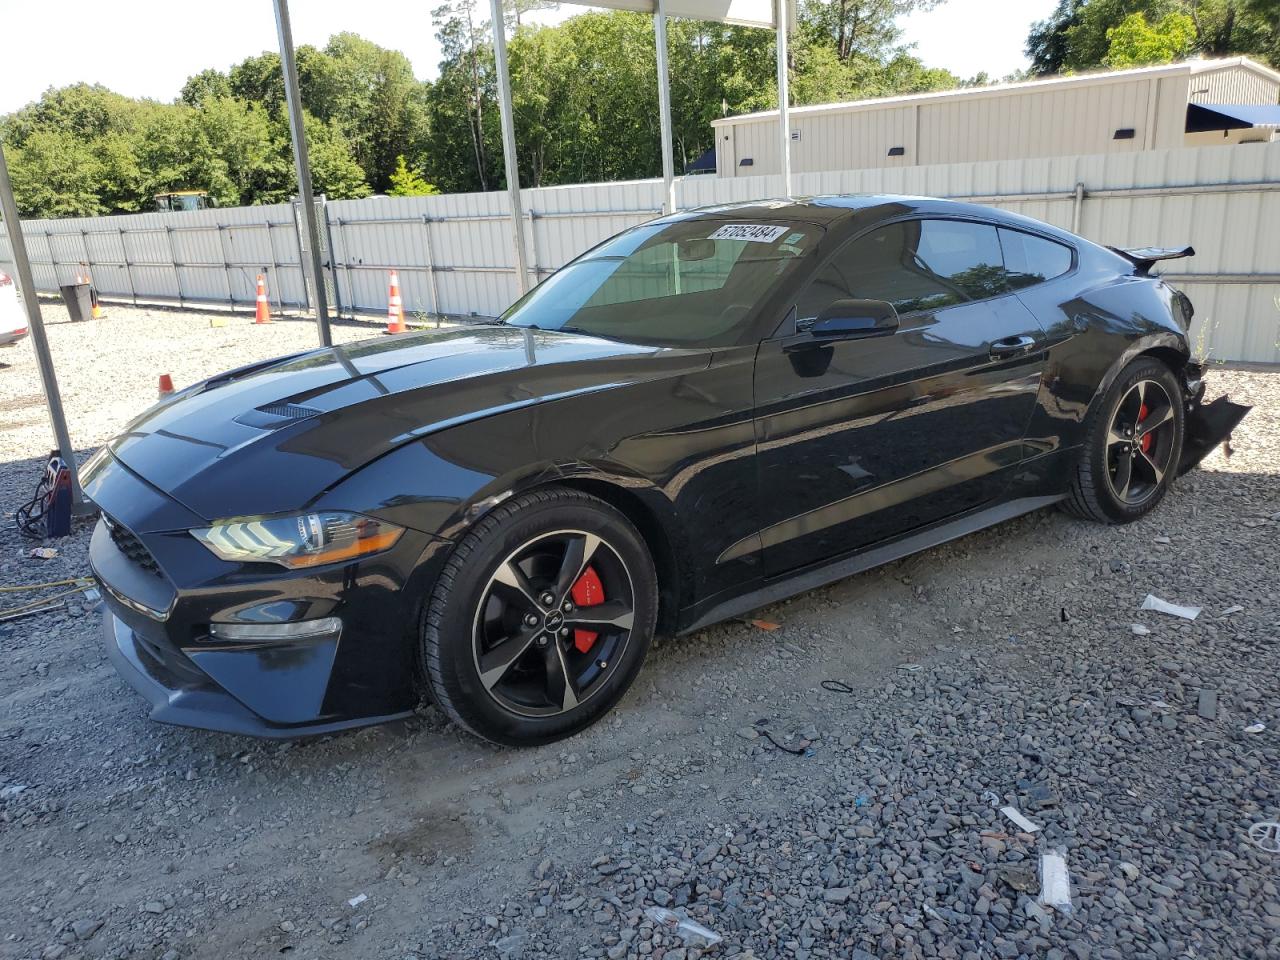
x: 1080, y: 34
x: 409, y: 183
x: 585, y: 105
x: 1137, y: 43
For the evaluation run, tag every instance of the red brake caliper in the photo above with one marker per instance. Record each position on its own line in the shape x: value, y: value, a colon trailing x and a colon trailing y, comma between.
x: 1146, y: 440
x: 587, y: 592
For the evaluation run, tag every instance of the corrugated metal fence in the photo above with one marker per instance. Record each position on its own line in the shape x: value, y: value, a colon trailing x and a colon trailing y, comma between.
x: 454, y: 252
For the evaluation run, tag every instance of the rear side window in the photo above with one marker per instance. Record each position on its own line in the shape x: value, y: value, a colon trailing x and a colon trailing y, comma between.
x: 915, y: 265
x: 1029, y: 260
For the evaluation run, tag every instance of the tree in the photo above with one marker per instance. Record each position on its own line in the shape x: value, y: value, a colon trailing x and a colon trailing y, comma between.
x: 409, y: 183
x: 860, y: 26
x: 1047, y: 45
x: 1136, y: 43
x: 1078, y: 36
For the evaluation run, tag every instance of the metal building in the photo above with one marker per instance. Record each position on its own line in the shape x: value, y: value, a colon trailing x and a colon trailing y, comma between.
x: 1196, y: 103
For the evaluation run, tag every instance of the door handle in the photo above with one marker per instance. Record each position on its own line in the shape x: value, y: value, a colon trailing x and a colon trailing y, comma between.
x: 1012, y: 347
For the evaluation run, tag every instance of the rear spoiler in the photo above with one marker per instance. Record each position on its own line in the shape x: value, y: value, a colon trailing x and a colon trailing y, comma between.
x: 1144, y: 258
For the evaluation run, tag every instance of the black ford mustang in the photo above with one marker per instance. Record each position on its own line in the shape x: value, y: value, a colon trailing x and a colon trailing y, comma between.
x: 701, y: 415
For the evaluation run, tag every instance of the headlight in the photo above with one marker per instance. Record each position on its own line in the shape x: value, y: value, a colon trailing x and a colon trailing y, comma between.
x: 308, y: 540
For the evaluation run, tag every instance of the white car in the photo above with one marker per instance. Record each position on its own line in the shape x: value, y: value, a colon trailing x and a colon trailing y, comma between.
x: 13, y: 320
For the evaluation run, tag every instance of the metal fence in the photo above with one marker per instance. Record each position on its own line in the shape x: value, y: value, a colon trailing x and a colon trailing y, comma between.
x: 454, y: 253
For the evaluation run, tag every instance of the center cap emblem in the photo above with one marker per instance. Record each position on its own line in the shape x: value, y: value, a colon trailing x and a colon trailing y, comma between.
x: 554, y: 620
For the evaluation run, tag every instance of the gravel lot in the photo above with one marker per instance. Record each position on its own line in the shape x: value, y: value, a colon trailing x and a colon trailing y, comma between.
x: 1002, y: 669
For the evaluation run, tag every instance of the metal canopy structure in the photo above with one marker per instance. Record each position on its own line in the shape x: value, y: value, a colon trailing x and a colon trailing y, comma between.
x: 776, y: 15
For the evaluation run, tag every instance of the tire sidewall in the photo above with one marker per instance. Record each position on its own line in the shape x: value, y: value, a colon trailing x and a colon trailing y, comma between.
x: 1144, y: 368
x: 453, y: 630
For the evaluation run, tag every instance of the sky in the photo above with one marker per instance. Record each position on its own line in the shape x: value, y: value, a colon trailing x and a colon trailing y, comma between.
x: 148, y: 48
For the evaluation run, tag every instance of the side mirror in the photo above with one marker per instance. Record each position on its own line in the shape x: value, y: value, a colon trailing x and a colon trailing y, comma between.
x: 855, y: 318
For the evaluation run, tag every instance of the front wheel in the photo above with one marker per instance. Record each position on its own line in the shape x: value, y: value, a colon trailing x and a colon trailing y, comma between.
x: 541, y: 618
x: 1133, y: 447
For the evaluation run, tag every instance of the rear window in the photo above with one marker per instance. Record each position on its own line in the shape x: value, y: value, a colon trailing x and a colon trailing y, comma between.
x: 1029, y: 259
x: 691, y: 283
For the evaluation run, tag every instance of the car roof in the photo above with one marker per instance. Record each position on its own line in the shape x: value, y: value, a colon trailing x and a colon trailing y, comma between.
x: 858, y: 210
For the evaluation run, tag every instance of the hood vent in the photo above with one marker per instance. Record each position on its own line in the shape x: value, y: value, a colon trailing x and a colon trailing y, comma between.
x: 273, y: 415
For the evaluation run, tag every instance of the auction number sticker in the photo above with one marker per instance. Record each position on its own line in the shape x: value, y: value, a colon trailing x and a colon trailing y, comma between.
x: 751, y: 232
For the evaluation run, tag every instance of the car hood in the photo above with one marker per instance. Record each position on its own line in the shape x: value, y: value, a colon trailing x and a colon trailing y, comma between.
x: 269, y: 438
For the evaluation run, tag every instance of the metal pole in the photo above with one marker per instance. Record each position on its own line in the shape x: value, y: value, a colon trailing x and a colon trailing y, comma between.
x: 784, y: 96
x: 431, y: 268
x: 664, y: 108
x: 1077, y: 209
x: 306, y: 195
x: 509, y: 144
x: 44, y: 360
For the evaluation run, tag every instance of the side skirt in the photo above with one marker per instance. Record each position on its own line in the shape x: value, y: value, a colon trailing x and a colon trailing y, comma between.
x: 811, y: 578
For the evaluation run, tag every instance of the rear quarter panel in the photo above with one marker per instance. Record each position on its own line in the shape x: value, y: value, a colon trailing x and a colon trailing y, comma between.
x: 1097, y: 319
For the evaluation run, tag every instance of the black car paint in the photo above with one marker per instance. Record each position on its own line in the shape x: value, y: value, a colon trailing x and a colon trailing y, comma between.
x: 752, y: 469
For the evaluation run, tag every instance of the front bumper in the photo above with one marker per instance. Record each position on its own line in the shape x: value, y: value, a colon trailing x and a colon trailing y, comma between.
x: 158, y: 612
x: 182, y: 695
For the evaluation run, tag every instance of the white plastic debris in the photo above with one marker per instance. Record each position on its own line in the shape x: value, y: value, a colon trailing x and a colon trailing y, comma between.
x: 1138, y: 629
x: 357, y: 900
x: 1164, y: 606
x: 1255, y: 728
x: 1055, y: 883
x: 1266, y: 836
x: 991, y: 797
x: 1022, y: 823
x: 1236, y: 608
x: 678, y: 922
x: 13, y: 790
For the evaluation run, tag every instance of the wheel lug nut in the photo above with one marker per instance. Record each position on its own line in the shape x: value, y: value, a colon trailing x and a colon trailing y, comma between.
x: 602, y: 664
x: 542, y: 640
x: 547, y: 599
x: 530, y: 620
x: 567, y: 606
x: 564, y: 631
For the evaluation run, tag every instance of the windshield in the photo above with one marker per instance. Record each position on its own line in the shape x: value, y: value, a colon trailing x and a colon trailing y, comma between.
x: 692, y: 283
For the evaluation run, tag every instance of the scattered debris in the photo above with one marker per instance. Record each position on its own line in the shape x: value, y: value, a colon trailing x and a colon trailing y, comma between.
x: 767, y: 625
x: 1235, y: 608
x: 1266, y: 836
x: 1255, y: 728
x: 43, y: 553
x: 1163, y: 540
x: 836, y: 686
x: 1019, y: 876
x: 1207, y: 705
x: 1063, y: 615
x: 1138, y: 630
x: 1164, y: 606
x: 11, y: 791
x: 1021, y: 822
x: 678, y: 922
x: 357, y: 900
x: 991, y: 797
x: 1055, y: 884
x: 909, y: 667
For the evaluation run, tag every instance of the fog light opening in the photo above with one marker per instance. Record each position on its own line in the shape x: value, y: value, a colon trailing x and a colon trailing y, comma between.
x: 298, y: 630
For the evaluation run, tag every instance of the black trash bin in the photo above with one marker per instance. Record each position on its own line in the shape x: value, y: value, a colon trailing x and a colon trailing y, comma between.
x: 78, y: 299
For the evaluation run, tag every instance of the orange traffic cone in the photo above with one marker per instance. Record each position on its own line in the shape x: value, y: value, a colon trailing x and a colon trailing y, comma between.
x: 166, y: 385
x: 263, y: 314
x: 395, y: 307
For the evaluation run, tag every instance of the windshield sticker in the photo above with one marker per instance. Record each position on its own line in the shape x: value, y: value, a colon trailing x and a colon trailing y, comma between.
x: 751, y: 232
x: 795, y: 238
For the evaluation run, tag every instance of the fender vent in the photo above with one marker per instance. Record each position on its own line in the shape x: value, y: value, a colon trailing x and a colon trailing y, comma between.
x: 289, y: 411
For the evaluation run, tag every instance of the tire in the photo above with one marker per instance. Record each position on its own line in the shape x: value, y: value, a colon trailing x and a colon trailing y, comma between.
x: 503, y: 677
x: 1123, y: 426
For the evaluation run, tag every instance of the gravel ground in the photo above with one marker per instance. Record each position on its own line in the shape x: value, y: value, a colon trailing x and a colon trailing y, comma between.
x: 1003, y: 669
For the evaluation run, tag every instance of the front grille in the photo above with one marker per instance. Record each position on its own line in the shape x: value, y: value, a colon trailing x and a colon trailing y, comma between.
x: 131, y: 547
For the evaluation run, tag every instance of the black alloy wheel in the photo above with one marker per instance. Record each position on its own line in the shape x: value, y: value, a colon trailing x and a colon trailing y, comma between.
x: 1140, y: 442
x: 1133, y: 446
x: 540, y: 619
x: 553, y: 622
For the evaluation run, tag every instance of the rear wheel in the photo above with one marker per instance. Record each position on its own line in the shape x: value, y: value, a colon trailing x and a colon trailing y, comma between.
x: 1133, y: 447
x: 541, y: 618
